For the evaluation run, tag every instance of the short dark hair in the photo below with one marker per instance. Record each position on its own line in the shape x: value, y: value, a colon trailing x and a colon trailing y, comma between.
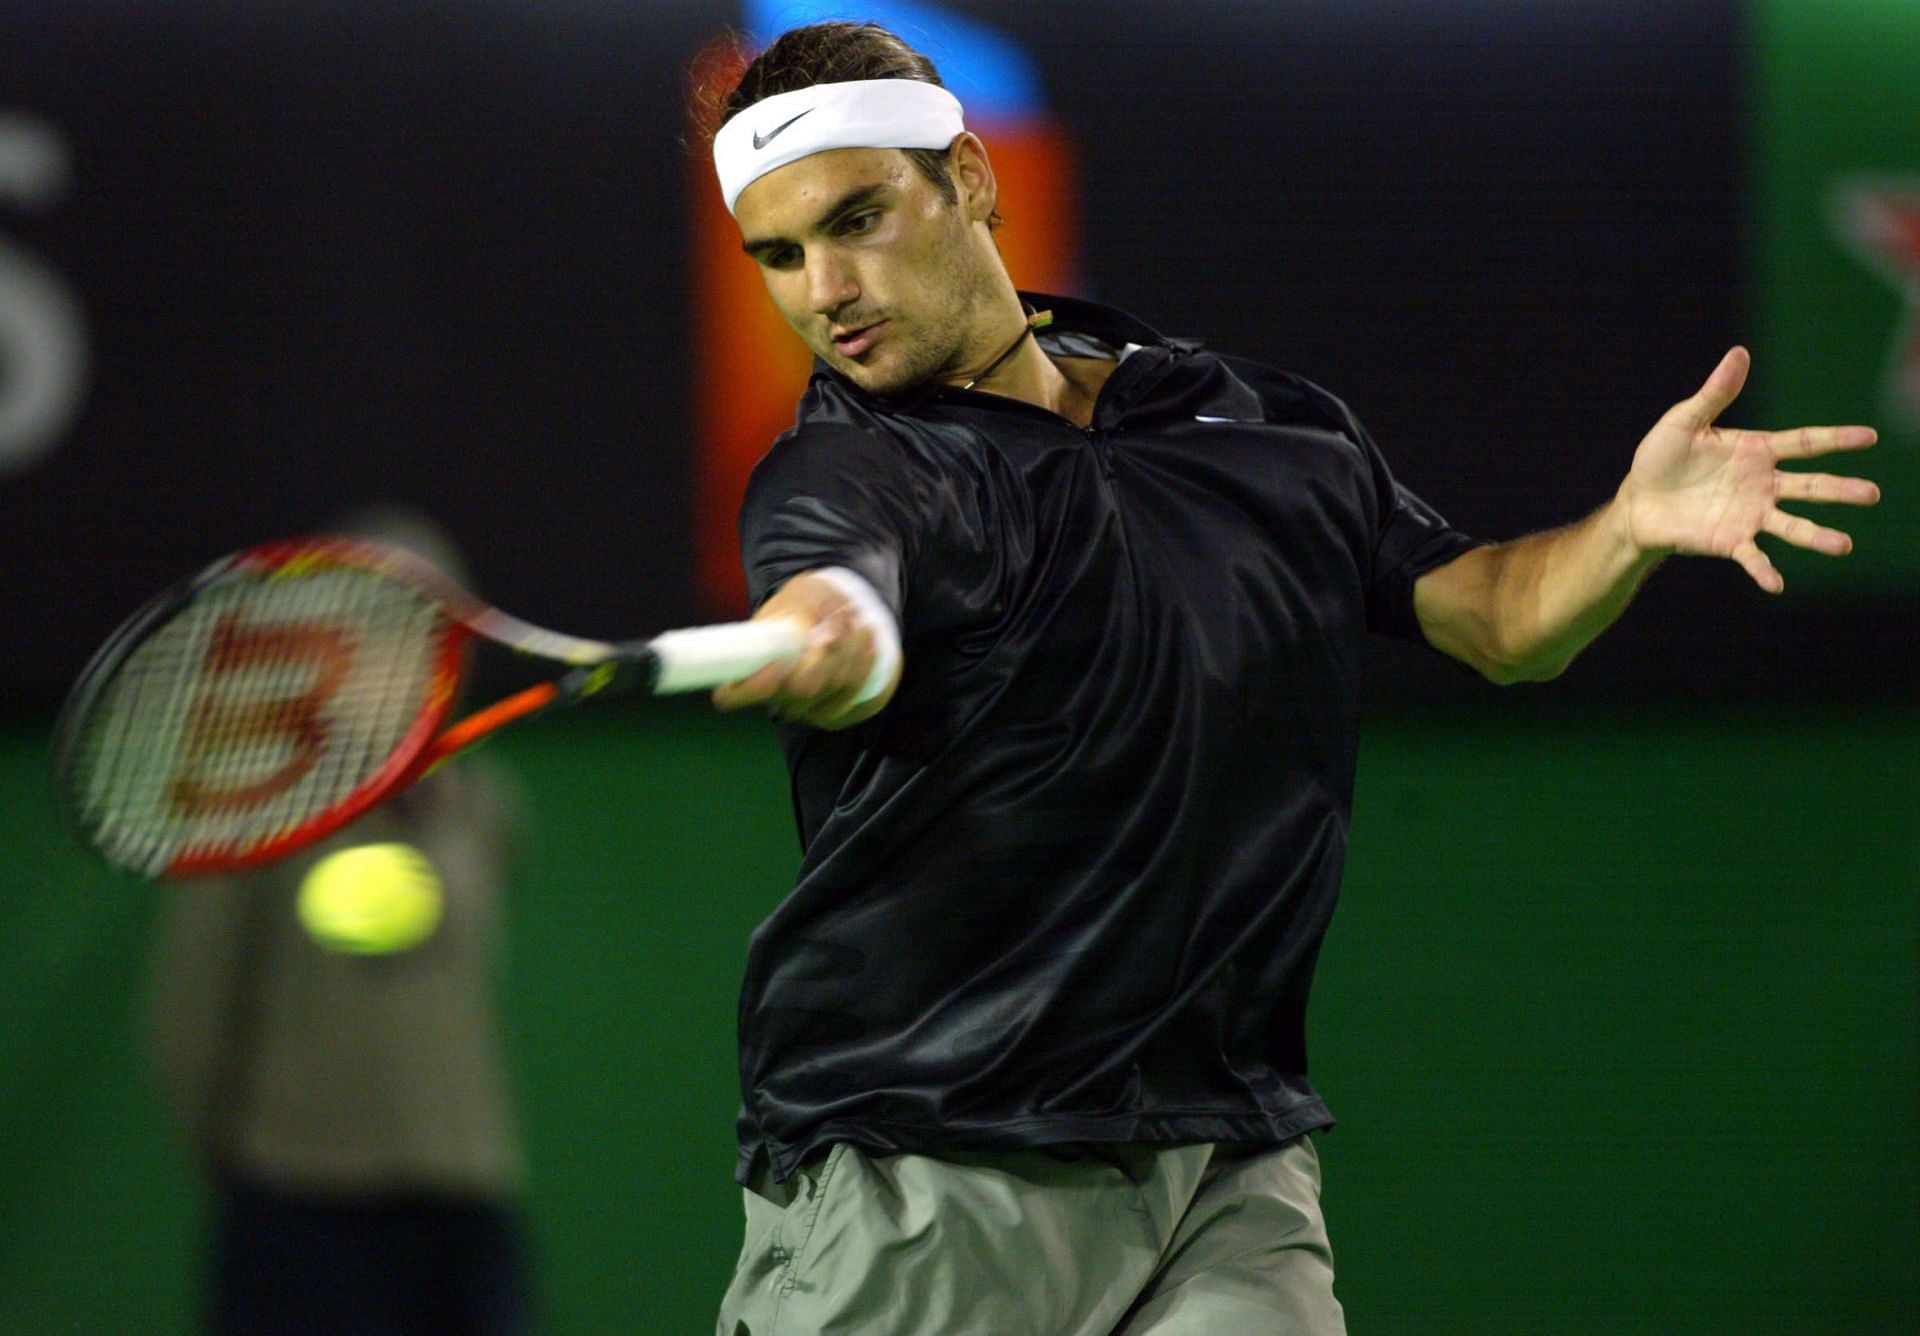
x: 839, y: 52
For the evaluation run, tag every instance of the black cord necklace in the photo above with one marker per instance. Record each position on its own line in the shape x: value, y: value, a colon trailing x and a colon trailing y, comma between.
x: 1035, y: 320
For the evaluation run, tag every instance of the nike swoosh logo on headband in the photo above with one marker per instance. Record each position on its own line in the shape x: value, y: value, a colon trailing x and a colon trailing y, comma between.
x: 762, y: 140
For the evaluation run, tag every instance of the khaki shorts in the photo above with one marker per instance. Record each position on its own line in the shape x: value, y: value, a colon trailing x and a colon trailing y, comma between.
x: 1083, y: 1240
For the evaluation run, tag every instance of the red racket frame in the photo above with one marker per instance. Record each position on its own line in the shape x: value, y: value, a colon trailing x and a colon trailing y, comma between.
x: 420, y: 748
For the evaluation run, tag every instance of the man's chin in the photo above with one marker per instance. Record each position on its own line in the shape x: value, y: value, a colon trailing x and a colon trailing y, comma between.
x: 880, y: 379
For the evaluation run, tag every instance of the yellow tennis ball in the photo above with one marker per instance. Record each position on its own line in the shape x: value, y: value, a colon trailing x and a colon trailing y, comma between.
x: 371, y: 900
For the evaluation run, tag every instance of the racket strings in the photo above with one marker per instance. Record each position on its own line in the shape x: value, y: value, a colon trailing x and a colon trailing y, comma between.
x: 263, y: 702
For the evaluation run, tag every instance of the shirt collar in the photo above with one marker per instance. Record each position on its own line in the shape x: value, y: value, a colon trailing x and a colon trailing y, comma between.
x: 1075, y: 315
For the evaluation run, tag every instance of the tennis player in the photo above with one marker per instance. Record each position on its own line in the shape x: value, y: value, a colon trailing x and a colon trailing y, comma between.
x: 1073, y: 746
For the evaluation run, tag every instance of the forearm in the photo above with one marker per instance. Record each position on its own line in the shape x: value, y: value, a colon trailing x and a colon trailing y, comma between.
x: 852, y: 663
x: 1522, y: 610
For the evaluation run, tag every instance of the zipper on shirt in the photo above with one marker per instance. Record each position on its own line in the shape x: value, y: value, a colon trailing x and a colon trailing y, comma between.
x: 1099, y: 440
x: 1102, y: 450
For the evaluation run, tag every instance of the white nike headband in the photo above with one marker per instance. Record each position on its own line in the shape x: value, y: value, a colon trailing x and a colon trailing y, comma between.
x: 865, y: 113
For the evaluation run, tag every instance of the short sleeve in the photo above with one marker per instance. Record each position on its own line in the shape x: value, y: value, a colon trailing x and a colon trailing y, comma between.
x: 1410, y: 538
x: 841, y: 496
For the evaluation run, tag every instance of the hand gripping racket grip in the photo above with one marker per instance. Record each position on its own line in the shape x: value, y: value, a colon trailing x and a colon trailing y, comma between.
x: 674, y: 661
x: 709, y: 656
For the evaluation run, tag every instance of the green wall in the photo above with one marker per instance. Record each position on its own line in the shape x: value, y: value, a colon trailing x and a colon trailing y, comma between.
x: 1835, y: 106
x: 1619, y: 1016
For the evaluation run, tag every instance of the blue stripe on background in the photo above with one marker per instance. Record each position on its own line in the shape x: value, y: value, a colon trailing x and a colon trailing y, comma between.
x: 991, y: 76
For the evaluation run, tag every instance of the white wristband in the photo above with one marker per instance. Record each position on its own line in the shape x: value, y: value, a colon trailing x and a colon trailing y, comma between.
x: 872, y: 612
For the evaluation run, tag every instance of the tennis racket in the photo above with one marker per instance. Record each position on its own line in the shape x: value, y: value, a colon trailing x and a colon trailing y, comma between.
x: 287, y: 689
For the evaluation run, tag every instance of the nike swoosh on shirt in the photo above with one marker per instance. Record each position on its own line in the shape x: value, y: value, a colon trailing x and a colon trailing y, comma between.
x: 762, y: 140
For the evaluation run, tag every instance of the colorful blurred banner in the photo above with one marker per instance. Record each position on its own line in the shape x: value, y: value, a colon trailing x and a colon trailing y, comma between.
x: 1837, y: 282
x: 749, y: 368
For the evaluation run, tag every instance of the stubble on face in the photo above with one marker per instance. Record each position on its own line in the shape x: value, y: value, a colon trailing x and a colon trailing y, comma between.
x: 932, y: 332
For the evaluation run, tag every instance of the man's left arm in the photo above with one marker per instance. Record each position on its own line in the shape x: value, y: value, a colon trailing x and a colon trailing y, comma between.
x: 1521, y: 611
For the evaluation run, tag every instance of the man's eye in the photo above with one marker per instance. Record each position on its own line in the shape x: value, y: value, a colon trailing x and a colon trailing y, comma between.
x: 861, y: 222
x: 784, y: 258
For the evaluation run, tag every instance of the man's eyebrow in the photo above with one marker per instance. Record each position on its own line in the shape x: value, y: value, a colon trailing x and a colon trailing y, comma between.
x: 846, y: 204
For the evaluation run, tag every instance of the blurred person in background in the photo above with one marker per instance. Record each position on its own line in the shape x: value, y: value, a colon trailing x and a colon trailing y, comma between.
x: 1073, y: 743
x: 325, y: 1036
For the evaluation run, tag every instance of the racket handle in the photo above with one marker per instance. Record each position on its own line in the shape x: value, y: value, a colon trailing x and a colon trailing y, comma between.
x: 709, y: 656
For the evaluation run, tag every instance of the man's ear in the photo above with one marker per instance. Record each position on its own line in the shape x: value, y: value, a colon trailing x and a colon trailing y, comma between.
x: 973, y: 176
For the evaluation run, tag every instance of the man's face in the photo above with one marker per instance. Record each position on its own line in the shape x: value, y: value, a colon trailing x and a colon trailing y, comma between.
x: 868, y: 262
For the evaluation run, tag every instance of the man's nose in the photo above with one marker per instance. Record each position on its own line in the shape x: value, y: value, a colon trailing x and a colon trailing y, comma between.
x: 830, y: 286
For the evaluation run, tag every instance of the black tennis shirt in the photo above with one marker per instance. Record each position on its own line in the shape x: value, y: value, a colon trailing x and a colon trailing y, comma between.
x: 1070, y: 885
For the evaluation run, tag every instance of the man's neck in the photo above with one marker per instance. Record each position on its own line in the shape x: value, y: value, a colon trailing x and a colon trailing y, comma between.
x: 1067, y: 387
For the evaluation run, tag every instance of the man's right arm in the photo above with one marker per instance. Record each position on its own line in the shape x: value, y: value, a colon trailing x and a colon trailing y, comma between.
x: 829, y: 526
x: 850, y: 637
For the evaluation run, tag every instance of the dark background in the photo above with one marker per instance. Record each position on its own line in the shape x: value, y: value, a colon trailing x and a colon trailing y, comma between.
x: 437, y: 250
x: 1620, y: 1012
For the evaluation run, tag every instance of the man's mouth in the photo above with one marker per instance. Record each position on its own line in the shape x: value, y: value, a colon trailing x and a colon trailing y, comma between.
x: 856, y: 341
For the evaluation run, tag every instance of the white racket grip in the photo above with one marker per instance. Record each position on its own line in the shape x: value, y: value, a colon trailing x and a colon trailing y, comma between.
x: 700, y: 657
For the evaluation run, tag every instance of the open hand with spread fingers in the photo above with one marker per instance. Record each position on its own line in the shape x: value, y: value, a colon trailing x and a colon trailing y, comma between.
x: 1711, y: 491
